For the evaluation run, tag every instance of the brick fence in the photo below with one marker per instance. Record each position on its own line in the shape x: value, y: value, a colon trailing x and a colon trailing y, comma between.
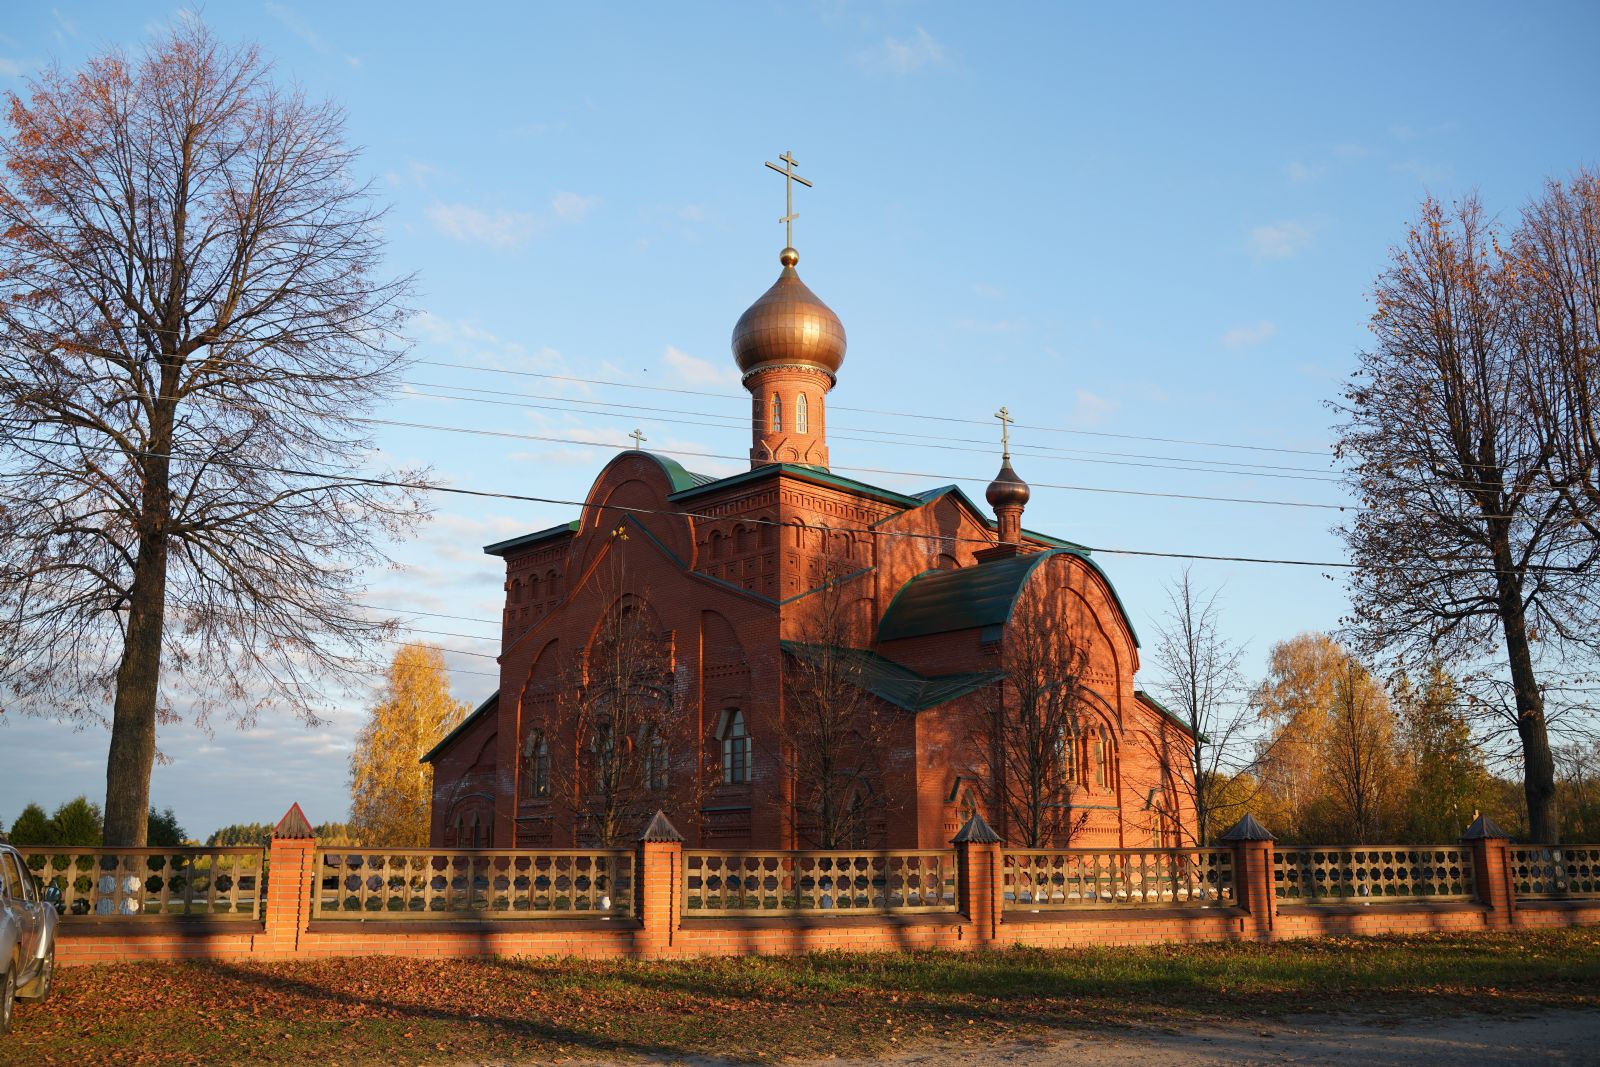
x: 1259, y: 896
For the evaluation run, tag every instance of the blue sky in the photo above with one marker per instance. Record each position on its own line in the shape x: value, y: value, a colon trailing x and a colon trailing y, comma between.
x: 1156, y: 222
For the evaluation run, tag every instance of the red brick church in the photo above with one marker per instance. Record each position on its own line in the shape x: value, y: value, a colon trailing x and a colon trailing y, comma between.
x: 926, y: 605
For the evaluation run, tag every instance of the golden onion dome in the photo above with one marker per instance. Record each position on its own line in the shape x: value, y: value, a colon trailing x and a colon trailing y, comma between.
x: 1007, y: 488
x: 789, y: 325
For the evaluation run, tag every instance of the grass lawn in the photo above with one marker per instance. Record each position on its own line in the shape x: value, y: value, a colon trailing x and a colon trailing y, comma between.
x: 394, y: 1011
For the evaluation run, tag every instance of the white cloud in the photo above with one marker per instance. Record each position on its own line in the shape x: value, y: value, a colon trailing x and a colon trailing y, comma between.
x: 904, y: 57
x: 991, y: 292
x: 291, y: 21
x: 1302, y: 172
x: 15, y: 68
x: 500, y: 229
x: 987, y: 326
x: 573, y: 207
x: 1245, y: 336
x: 1279, y: 240
x: 65, y: 27
x: 1090, y: 409
x: 694, y: 371
x: 692, y: 213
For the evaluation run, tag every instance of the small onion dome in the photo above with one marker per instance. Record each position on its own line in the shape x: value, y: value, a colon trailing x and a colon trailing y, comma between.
x: 1007, y: 488
x: 789, y: 325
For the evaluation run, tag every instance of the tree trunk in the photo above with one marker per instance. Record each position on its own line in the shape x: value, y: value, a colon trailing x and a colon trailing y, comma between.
x: 133, y: 718
x: 1538, y: 765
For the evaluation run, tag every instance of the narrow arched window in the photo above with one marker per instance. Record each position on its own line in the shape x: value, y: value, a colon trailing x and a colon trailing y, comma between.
x: 536, y: 765
x: 477, y: 830
x: 802, y: 417
x: 1102, y: 758
x: 516, y: 590
x: 654, y: 748
x: 603, y: 746
x: 1067, y: 753
x: 461, y: 829
x: 776, y: 423
x: 735, y: 749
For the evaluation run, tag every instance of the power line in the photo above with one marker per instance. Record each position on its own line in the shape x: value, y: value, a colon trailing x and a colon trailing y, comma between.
x: 874, y: 411
x: 661, y: 415
x: 757, y: 521
x: 550, y: 439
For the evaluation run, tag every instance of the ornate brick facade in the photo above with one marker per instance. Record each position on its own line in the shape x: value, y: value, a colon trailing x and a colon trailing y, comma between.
x: 737, y: 573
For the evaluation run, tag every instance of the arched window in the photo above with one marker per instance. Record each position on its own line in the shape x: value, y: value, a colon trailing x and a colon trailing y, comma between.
x: 775, y: 425
x: 968, y: 807
x: 741, y: 539
x: 536, y: 765
x: 533, y: 588
x: 735, y: 749
x: 719, y: 545
x: 476, y: 831
x: 1067, y: 752
x: 1102, y: 758
x: 654, y: 748
x: 802, y: 417
x: 553, y: 580
x: 516, y: 590
x: 603, y: 746
x: 461, y: 829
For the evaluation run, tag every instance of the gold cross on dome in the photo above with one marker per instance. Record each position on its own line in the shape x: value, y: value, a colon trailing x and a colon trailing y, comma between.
x: 789, y: 178
x: 1006, y: 420
x: 638, y: 437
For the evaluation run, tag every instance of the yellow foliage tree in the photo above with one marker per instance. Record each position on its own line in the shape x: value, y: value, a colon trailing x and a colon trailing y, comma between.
x: 390, y: 788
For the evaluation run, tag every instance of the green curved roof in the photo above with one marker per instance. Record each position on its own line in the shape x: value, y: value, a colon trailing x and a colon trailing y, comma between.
x: 681, y: 477
x: 972, y: 598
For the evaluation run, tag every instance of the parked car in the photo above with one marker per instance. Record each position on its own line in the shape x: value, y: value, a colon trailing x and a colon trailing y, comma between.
x: 28, y: 918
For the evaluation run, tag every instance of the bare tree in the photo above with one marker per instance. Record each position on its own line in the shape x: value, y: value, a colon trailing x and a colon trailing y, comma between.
x: 1359, y: 754
x: 1557, y: 252
x: 1040, y: 727
x: 613, y: 715
x: 1471, y: 542
x: 1202, y: 685
x: 192, y: 321
x: 835, y: 742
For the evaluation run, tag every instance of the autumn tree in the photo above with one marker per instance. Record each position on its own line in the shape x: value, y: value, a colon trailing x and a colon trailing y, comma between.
x: 834, y: 739
x: 193, y: 319
x: 1293, y: 703
x: 1467, y: 432
x: 1358, y: 757
x: 1446, y: 780
x: 1202, y: 686
x: 1041, y: 725
x: 390, y: 787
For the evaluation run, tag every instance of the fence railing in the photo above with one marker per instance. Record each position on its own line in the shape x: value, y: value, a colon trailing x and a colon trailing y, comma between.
x: 471, y: 883
x: 1554, y: 872
x: 1372, y: 874
x: 836, y: 882
x: 1049, y: 879
x: 101, y: 883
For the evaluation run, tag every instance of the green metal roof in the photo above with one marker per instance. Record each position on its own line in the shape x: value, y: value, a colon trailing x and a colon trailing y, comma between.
x: 928, y: 496
x: 973, y: 598
x: 811, y: 474
x: 1167, y: 713
x: 500, y: 548
x: 487, y: 707
x: 679, y: 477
x: 896, y: 684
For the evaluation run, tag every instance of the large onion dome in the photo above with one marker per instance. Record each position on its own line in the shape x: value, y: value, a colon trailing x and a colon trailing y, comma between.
x: 789, y: 326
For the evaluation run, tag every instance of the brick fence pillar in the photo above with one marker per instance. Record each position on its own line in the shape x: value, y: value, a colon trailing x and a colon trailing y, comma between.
x: 289, y: 884
x: 980, y: 875
x: 658, y: 887
x: 1491, y: 871
x: 1252, y: 846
